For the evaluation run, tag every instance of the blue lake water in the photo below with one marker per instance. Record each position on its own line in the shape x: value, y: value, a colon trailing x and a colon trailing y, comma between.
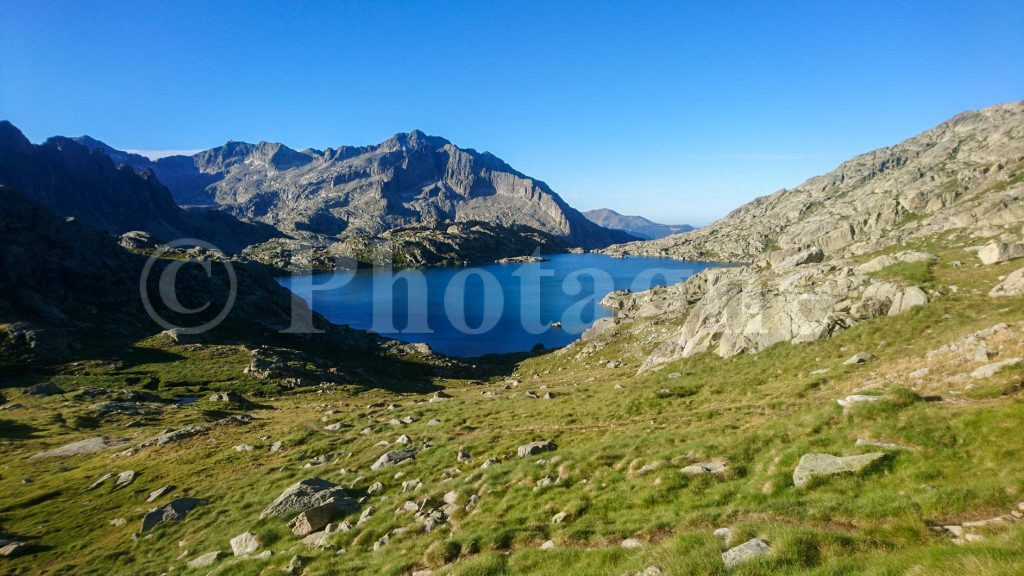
x: 494, y: 308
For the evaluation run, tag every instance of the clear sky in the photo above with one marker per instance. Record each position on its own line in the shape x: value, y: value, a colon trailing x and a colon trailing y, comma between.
x: 679, y: 111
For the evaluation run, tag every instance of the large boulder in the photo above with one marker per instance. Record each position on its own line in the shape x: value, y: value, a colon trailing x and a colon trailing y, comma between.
x: 813, y: 466
x: 998, y: 252
x: 245, y: 543
x: 206, y: 560
x: 990, y: 370
x: 716, y: 467
x: 749, y: 550
x: 911, y: 297
x: 318, y: 517
x: 307, y: 494
x: 42, y: 389
x: 535, y: 448
x: 393, y: 457
x: 1012, y: 285
x: 86, y: 446
x: 173, y: 511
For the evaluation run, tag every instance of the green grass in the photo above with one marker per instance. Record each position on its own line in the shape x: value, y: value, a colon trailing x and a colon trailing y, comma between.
x: 758, y: 412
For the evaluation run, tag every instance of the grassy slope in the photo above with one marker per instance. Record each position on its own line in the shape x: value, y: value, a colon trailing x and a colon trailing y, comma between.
x: 760, y: 412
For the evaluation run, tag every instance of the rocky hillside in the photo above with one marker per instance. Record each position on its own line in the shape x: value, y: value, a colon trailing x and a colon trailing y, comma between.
x: 68, y: 290
x: 74, y: 182
x: 968, y: 171
x: 420, y: 245
x: 833, y: 253
x: 407, y: 180
x: 636, y: 225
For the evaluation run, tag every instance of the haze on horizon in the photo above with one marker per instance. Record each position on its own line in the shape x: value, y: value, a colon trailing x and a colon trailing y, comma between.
x: 677, y: 113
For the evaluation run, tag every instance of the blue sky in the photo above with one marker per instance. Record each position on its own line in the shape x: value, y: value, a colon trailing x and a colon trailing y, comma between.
x: 677, y: 111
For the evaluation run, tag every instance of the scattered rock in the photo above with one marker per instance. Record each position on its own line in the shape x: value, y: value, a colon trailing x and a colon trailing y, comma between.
x: 882, y: 445
x: 559, y: 518
x: 548, y: 545
x: 182, y: 336
x: 276, y: 447
x: 265, y: 555
x: 749, y: 550
x: 124, y: 478
x: 374, y: 488
x: 99, y: 481
x: 857, y: 399
x: 489, y: 462
x: 157, y: 493
x: 206, y: 560
x: 714, y: 467
x: 245, y: 543
x: 403, y: 439
x: 173, y: 511
x: 463, y: 456
x: 861, y: 358
x: 631, y: 544
x: 12, y: 549
x: 295, y: 565
x: 724, y: 534
x: 650, y: 571
x: 243, y: 448
x: 919, y: 374
x: 434, y: 422
x: 366, y: 515
x: 812, y: 466
x: 535, y: 448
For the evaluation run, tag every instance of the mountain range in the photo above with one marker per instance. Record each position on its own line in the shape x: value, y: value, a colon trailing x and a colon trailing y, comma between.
x: 327, y: 195
x: 636, y: 225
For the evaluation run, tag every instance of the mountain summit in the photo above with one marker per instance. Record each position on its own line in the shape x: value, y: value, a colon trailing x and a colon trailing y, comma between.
x: 411, y: 178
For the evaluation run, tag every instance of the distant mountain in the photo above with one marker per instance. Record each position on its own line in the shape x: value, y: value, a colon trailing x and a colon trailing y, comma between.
x: 636, y: 225
x: 79, y: 179
x: 410, y: 179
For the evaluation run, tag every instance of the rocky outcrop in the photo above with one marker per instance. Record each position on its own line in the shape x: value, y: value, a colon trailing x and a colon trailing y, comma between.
x: 998, y: 252
x: 730, y: 311
x: 1012, y: 285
